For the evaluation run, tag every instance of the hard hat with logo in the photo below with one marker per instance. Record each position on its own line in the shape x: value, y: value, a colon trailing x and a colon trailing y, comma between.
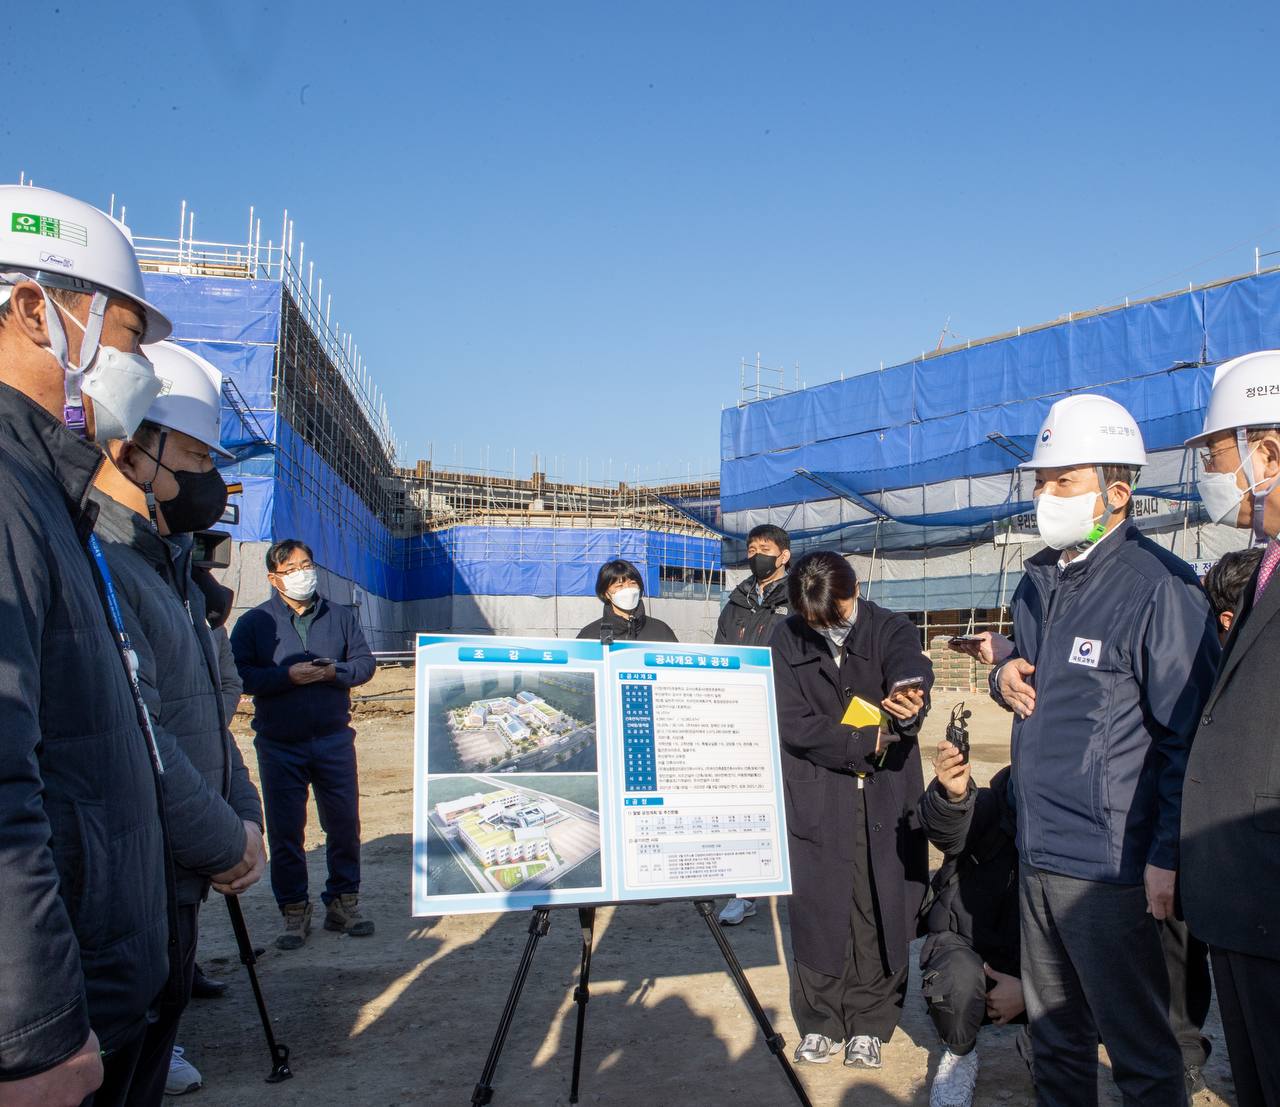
x: 1087, y: 430
x: 190, y: 399
x: 65, y: 243
x: 1246, y: 393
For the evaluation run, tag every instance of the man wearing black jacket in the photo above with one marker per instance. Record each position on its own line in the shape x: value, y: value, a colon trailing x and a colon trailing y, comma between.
x: 759, y: 603
x: 973, y: 920
x: 1231, y: 805
x: 754, y: 609
x: 83, y: 905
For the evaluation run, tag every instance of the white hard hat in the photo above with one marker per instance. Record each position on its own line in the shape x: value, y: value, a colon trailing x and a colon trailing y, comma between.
x: 190, y: 397
x: 73, y: 245
x: 1246, y: 393
x: 1087, y: 430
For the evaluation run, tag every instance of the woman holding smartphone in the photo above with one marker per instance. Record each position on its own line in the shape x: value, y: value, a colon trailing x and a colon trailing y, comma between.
x: 859, y: 858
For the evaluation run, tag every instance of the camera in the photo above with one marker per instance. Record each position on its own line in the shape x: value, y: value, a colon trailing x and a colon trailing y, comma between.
x: 958, y: 729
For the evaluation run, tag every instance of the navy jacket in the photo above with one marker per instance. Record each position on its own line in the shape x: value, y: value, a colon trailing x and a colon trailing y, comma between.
x: 821, y: 760
x: 1125, y: 650
x: 83, y: 909
x: 265, y: 644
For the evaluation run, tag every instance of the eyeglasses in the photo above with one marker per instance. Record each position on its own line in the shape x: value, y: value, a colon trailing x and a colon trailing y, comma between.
x: 284, y: 569
x: 1207, y: 456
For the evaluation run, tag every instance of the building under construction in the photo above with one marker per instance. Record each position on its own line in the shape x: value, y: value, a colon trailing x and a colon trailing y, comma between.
x: 911, y: 471
x: 416, y: 548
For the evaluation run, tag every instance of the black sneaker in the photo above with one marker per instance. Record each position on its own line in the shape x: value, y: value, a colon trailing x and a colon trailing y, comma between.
x: 1194, y: 1078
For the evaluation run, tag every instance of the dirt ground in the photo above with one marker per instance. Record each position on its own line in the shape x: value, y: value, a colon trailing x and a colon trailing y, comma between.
x: 407, y: 1016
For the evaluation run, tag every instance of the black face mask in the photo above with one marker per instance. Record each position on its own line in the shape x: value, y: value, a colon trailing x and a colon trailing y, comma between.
x: 201, y: 498
x: 763, y: 566
x: 200, y: 502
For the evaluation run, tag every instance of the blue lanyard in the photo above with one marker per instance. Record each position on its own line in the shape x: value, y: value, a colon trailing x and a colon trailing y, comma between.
x: 127, y: 655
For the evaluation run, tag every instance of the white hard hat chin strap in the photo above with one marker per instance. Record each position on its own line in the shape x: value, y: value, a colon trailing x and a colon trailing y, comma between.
x: 73, y: 376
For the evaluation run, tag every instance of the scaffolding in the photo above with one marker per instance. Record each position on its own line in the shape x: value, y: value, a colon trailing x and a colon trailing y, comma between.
x: 334, y: 457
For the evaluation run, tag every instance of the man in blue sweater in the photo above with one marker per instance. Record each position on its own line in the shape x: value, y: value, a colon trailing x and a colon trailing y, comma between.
x: 299, y: 657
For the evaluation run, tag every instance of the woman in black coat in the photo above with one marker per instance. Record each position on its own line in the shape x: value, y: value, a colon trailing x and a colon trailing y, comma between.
x: 620, y: 587
x: 859, y: 858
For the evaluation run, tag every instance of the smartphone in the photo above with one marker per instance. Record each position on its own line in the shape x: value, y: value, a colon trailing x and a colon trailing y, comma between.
x: 322, y: 662
x: 905, y: 684
x: 966, y: 638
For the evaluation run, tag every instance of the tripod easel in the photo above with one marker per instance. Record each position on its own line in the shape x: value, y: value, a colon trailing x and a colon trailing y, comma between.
x: 540, y: 923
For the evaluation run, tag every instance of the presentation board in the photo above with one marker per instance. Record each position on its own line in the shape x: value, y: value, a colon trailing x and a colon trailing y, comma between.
x: 558, y: 772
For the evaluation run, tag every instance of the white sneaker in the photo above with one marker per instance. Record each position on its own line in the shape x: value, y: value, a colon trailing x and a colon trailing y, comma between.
x: 183, y: 1075
x: 955, y: 1080
x: 736, y: 910
x: 817, y: 1049
x: 863, y: 1052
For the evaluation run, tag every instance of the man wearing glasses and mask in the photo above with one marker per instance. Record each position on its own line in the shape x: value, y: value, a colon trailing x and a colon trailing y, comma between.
x: 299, y: 656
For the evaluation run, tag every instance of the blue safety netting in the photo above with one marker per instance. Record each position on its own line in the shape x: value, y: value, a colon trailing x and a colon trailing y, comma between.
x: 234, y: 324
x: 927, y: 422
x: 290, y: 492
x: 544, y: 561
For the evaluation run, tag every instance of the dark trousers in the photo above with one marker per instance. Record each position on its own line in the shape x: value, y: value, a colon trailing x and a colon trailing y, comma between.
x: 866, y: 998
x: 1190, y: 989
x: 327, y: 766
x: 955, y: 989
x: 134, y: 1075
x: 118, y: 1069
x: 1093, y: 966
x: 1249, y: 1003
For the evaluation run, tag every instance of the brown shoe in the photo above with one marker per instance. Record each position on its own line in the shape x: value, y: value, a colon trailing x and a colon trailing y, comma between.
x: 297, y: 925
x: 343, y: 915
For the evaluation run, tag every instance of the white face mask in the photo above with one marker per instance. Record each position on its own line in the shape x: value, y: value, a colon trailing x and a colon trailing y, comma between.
x: 1066, y: 521
x: 837, y: 634
x: 300, y: 584
x: 120, y: 385
x: 626, y: 599
x: 1221, y: 496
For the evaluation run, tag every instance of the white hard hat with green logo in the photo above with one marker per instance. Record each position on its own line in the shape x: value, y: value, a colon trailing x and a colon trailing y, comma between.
x: 65, y: 243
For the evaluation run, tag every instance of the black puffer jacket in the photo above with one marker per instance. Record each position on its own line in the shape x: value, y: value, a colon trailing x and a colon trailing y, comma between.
x: 207, y: 789
x: 748, y: 620
x: 83, y: 907
x: 975, y: 891
x: 638, y: 628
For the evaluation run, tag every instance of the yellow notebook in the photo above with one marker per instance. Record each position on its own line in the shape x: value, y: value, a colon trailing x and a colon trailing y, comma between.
x: 861, y: 713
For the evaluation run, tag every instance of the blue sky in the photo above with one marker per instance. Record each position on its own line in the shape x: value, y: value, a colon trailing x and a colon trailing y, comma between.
x: 557, y: 228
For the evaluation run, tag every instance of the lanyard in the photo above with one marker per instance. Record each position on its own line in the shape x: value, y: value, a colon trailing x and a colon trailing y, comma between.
x: 127, y: 654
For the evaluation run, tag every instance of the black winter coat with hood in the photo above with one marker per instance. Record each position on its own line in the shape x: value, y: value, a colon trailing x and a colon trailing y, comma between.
x: 639, y: 627
x: 749, y: 620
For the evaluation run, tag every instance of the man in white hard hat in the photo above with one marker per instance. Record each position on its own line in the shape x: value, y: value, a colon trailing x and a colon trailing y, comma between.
x: 157, y: 489
x: 1115, y: 652
x: 1231, y: 805
x: 83, y: 909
